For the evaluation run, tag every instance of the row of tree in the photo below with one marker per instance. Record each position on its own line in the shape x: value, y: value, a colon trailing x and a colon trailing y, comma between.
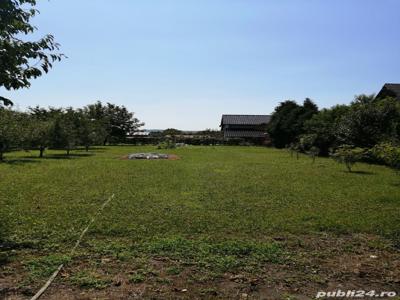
x: 68, y: 128
x: 366, y: 122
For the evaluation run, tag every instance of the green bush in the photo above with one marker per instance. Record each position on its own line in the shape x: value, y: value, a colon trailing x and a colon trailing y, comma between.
x: 348, y: 155
x: 313, y: 152
x: 294, y: 148
x: 307, y: 141
x: 168, y: 144
x: 387, y: 154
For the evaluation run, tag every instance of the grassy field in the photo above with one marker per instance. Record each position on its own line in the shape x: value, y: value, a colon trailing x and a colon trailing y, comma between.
x: 219, y: 222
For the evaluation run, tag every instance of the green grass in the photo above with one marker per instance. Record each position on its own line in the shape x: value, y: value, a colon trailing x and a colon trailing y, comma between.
x: 89, y: 280
x: 45, y: 266
x: 216, y: 207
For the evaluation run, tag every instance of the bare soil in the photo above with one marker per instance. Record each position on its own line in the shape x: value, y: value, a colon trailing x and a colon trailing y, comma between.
x: 315, y: 263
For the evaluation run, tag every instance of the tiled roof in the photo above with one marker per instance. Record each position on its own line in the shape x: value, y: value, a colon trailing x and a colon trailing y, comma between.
x: 243, y: 134
x: 390, y: 89
x: 245, y: 119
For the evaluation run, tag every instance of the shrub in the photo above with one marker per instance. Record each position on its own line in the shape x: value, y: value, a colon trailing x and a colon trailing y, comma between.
x: 168, y: 144
x: 348, y: 155
x: 306, y: 142
x: 387, y: 154
x: 313, y: 152
x: 294, y: 148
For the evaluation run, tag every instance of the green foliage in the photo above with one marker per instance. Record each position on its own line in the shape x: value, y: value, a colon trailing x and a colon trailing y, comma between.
x: 210, y: 133
x: 306, y: 141
x: 305, y: 145
x: 313, y: 152
x: 386, y: 153
x: 60, y: 128
x: 167, y: 144
x: 45, y: 266
x: 137, y: 278
x: 173, y: 270
x: 370, y: 122
x: 113, y: 122
x: 89, y: 131
x: 287, y: 121
x: 5, y: 102
x: 366, y: 122
x: 21, y: 61
x: 323, y: 126
x: 12, y: 131
x: 348, y: 155
x: 40, y: 134
x: 90, y: 280
x: 294, y: 148
x: 64, y: 133
x: 172, y: 132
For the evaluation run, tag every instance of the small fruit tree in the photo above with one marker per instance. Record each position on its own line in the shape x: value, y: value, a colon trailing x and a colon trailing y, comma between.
x: 348, y: 155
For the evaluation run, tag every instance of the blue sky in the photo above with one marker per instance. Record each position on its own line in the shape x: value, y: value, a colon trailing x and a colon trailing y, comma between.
x: 183, y: 63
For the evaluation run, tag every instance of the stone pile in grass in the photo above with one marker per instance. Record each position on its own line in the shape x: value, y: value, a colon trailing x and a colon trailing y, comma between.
x: 148, y: 156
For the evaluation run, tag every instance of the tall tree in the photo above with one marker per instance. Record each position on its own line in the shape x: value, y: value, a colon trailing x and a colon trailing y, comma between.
x: 43, y: 127
x: 116, y: 120
x: 281, y: 127
x: 89, y: 131
x: 171, y: 132
x: 323, y: 126
x: 40, y: 134
x: 64, y: 133
x: 368, y: 123
x: 21, y: 61
x: 287, y: 121
x: 12, y: 131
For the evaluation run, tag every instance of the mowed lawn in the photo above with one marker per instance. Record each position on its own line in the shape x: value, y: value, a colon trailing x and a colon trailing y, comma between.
x: 215, y: 211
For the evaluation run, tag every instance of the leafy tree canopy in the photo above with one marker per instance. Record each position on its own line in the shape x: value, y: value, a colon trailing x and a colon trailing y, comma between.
x: 323, y: 126
x: 22, y: 60
x: 287, y: 121
x: 368, y: 123
x: 116, y: 120
x: 171, y: 132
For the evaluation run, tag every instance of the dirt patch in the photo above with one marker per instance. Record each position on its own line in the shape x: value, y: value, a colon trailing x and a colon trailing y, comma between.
x: 314, y: 263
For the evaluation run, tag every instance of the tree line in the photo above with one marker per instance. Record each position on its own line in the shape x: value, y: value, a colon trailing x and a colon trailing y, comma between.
x: 65, y: 128
x: 366, y: 129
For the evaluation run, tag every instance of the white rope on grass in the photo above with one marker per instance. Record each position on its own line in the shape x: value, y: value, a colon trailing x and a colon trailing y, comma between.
x: 54, y: 275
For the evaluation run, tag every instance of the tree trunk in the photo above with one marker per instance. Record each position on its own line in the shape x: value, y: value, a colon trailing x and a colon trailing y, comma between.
x: 41, y: 149
x: 87, y: 148
x: 1, y: 156
x: 68, y: 151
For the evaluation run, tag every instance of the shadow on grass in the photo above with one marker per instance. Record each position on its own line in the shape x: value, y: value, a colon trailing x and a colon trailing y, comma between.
x: 70, y: 156
x: 7, y: 244
x: 96, y: 148
x: 58, y: 156
x: 4, y: 244
x: 92, y: 149
x: 21, y: 161
x: 396, y: 184
x: 359, y: 172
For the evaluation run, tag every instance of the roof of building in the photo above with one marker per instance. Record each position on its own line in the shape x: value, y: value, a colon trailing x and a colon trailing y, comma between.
x: 390, y: 89
x: 245, y: 119
x: 243, y: 134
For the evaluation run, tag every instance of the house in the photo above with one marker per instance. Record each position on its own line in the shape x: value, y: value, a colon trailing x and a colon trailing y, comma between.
x: 390, y: 90
x: 252, y: 128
